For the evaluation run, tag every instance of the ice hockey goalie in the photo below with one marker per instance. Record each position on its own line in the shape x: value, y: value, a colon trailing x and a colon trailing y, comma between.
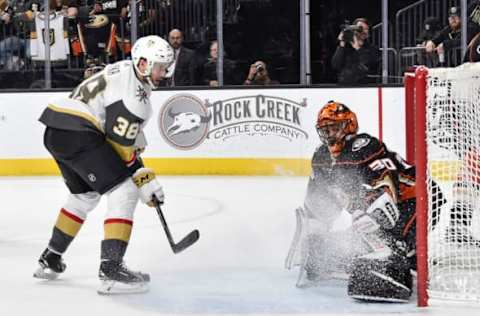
x: 356, y: 174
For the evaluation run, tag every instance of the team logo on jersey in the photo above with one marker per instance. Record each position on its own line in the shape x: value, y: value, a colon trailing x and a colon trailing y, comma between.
x: 97, y: 21
x: 51, y: 37
x: 184, y: 121
x: 141, y: 94
x: 92, y: 177
x: 360, y: 143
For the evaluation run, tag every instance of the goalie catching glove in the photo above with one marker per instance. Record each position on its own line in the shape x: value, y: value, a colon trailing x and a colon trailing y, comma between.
x: 148, y: 186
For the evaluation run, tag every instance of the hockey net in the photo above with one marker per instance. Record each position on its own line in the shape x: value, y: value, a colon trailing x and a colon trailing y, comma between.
x: 446, y: 142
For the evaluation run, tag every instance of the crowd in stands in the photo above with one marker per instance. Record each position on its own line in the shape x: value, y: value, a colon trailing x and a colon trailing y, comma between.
x: 87, y: 34
x: 356, y: 60
x: 442, y: 45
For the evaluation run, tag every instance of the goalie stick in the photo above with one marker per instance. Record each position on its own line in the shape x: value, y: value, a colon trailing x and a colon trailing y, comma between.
x: 186, y: 242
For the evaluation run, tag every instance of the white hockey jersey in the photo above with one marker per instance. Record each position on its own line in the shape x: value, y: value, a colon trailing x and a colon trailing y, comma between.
x: 58, y: 38
x: 114, y: 102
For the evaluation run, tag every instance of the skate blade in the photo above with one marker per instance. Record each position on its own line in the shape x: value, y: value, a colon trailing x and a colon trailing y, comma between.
x: 379, y: 299
x: 45, y: 274
x: 116, y: 288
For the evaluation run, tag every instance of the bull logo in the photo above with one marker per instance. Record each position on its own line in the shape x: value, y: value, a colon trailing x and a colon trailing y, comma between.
x: 184, y: 121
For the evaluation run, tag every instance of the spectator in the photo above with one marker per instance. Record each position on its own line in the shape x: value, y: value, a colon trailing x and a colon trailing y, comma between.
x: 355, y: 60
x: 58, y: 6
x: 92, y: 69
x: 11, y: 46
x: 431, y: 29
x: 184, y: 69
x: 66, y: 7
x: 258, y: 75
x: 209, y: 69
x: 146, y: 15
x: 473, y: 32
x: 447, y: 43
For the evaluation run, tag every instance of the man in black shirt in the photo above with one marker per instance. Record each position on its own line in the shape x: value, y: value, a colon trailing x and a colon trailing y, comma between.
x: 447, y: 42
x: 184, y: 69
x: 355, y: 60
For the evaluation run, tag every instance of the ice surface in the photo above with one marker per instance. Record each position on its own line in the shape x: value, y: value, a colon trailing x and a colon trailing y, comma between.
x: 246, y: 225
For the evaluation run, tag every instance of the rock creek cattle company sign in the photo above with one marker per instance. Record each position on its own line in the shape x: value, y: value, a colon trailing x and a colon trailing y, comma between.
x: 185, y: 121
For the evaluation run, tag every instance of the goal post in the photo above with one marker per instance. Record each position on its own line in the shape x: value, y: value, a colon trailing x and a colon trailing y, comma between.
x: 420, y: 154
x: 443, y: 137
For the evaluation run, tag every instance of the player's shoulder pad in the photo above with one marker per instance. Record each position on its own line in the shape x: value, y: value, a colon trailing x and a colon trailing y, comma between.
x: 118, y: 68
x: 361, y: 147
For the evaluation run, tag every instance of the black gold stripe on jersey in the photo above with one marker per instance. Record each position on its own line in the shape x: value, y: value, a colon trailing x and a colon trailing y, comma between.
x: 68, y: 119
x: 121, y: 129
x: 121, y: 125
x: 127, y: 153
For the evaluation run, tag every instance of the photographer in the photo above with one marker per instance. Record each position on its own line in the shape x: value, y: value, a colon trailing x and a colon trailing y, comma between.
x: 355, y: 59
x: 258, y: 75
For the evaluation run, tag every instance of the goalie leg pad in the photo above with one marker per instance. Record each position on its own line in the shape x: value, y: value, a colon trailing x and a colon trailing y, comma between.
x: 386, y: 279
x: 294, y: 253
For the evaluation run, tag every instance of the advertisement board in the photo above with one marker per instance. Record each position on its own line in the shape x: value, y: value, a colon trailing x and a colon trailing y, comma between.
x: 215, y: 131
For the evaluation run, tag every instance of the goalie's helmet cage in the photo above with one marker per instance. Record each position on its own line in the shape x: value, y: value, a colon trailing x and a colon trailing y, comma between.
x: 446, y: 104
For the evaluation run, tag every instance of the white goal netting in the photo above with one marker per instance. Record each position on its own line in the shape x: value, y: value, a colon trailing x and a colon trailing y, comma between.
x: 453, y: 162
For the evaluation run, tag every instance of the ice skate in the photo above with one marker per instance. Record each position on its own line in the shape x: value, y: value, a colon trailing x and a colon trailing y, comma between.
x: 116, y: 278
x: 51, y: 265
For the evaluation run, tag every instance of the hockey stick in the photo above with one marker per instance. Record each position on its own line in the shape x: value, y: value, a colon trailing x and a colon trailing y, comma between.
x: 186, y: 242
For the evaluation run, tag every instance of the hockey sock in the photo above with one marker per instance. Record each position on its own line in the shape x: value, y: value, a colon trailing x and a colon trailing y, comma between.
x: 66, y: 228
x: 117, y: 235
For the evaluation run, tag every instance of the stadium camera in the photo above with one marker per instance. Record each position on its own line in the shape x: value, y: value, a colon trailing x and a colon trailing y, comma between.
x: 349, y: 31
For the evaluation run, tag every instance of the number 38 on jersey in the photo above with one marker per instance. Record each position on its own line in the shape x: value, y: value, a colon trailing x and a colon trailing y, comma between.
x: 124, y: 128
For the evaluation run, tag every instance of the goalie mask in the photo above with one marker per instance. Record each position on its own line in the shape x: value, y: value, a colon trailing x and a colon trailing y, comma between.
x: 334, y: 122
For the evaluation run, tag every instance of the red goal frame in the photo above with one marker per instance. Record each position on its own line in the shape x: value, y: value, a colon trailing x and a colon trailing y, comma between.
x: 415, y: 117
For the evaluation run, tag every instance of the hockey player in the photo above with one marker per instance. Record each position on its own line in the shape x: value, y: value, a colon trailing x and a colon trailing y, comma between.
x: 357, y: 173
x: 95, y: 136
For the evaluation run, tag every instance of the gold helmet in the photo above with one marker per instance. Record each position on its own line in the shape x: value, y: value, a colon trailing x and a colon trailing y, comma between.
x: 334, y: 122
